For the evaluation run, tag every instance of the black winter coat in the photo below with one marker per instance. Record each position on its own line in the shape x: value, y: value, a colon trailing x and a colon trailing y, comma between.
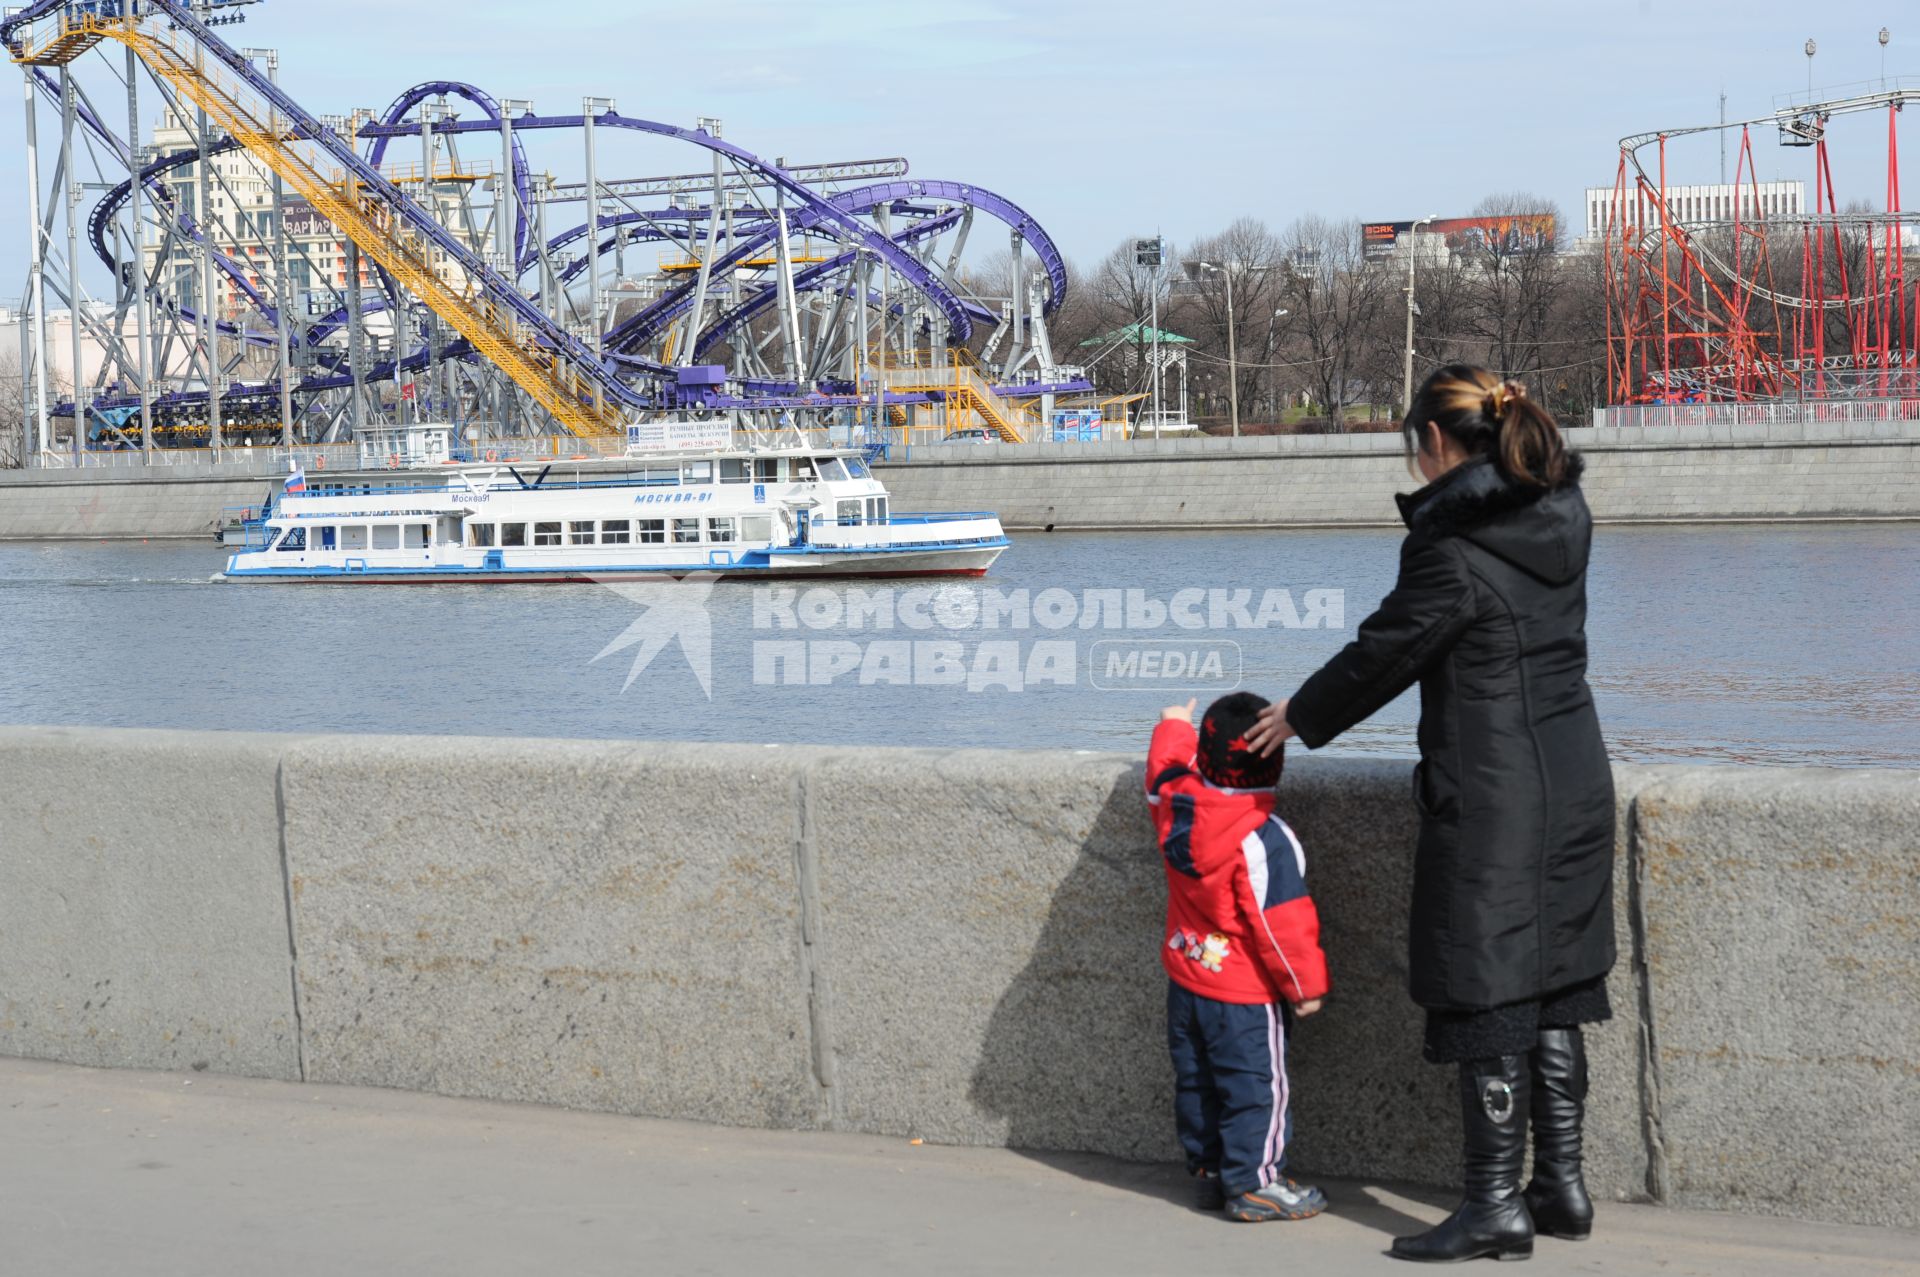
x: 1512, y: 891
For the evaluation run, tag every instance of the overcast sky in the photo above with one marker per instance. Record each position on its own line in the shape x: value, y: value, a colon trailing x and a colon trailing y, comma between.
x: 1106, y: 118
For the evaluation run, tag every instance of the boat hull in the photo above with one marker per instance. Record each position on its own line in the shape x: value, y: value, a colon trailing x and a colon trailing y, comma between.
x: 903, y: 562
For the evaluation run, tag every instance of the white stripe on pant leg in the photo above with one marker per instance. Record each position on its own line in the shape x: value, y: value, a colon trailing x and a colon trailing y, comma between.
x: 1286, y: 1090
x: 1269, y: 1151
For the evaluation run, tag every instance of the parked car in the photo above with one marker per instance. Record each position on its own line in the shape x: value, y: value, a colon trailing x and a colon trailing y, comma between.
x: 972, y: 434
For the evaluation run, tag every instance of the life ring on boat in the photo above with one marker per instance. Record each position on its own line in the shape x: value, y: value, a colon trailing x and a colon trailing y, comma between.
x: 320, y: 462
x: 492, y: 455
x: 393, y: 461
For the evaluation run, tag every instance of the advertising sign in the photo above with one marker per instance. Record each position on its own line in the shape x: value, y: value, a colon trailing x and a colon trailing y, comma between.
x: 1077, y: 425
x: 679, y: 436
x: 1508, y: 232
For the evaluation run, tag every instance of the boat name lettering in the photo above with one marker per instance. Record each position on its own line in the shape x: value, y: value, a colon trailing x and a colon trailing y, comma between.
x: 469, y: 498
x: 671, y: 498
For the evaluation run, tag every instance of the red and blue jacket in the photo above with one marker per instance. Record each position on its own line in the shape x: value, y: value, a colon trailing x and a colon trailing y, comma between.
x: 1240, y: 924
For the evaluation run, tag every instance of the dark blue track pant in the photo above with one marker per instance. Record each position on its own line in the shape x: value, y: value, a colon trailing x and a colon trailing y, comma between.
x: 1230, y: 1087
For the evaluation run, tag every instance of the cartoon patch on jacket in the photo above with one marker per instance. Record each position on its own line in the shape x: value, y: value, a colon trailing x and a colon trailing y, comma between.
x: 1213, y: 951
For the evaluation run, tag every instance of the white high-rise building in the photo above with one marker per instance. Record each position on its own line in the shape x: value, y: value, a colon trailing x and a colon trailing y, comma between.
x: 1715, y: 203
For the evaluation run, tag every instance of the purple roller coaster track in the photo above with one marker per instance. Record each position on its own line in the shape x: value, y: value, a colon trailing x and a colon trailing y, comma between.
x: 287, y: 277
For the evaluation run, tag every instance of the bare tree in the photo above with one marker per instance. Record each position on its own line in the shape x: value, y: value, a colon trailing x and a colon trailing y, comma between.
x: 1514, y: 272
x: 1334, y: 302
x: 1253, y: 257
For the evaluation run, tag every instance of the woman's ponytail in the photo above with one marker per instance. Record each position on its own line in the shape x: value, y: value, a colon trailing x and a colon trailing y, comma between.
x: 1488, y: 416
x: 1528, y: 447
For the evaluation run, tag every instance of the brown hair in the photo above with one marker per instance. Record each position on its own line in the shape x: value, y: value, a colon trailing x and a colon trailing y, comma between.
x: 1488, y: 416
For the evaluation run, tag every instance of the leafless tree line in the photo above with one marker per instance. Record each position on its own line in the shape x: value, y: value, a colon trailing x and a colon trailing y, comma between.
x: 1317, y: 325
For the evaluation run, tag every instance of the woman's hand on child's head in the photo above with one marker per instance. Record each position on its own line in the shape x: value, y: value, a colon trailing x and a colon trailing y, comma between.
x: 1182, y: 712
x: 1307, y: 1008
x: 1270, y: 730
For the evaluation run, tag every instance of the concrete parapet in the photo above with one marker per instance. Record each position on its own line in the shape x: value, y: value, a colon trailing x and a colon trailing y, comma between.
x: 603, y: 926
x: 142, y: 901
x: 1783, y: 951
x: 957, y: 945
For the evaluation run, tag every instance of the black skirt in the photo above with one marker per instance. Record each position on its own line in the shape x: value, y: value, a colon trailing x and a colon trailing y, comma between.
x: 1453, y: 1036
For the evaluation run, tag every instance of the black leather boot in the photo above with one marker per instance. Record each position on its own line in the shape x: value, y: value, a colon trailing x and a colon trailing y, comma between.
x: 1557, y: 1196
x: 1493, y: 1219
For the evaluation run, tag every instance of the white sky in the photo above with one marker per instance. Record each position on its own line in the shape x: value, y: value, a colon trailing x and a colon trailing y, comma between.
x: 1106, y: 119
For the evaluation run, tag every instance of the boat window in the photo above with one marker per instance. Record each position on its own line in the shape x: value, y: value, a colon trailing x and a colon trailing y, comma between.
x: 353, y: 536
x: 295, y: 539
x: 735, y: 469
x: 766, y: 470
x: 659, y: 476
x: 386, y: 536
x: 686, y: 531
x: 719, y: 529
x: 653, y: 531
x: 756, y: 527
x: 847, y: 513
x: 832, y: 469
x: 417, y: 536
x: 615, y: 532
x: 480, y: 534
x: 696, y: 472
x: 513, y: 534
x: 858, y: 468
x: 802, y: 470
x: 580, y: 533
x: 876, y: 509
x: 546, y: 534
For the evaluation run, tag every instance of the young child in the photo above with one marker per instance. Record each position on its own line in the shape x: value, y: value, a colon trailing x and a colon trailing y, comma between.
x: 1242, y: 945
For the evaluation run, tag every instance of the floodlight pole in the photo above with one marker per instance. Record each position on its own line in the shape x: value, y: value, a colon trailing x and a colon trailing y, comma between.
x: 1406, y: 381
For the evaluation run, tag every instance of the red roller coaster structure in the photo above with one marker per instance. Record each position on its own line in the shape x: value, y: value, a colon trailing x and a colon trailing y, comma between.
x: 1738, y: 302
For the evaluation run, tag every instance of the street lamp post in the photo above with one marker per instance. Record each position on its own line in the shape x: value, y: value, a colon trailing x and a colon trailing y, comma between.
x: 1233, y: 373
x: 1413, y: 249
x: 1273, y: 407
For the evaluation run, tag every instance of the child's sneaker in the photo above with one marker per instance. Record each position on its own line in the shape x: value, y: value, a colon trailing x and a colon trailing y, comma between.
x: 1207, y: 1191
x: 1282, y: 1199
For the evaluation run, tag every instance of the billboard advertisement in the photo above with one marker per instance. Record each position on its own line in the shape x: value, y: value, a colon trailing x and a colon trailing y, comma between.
x: 1511, y: 232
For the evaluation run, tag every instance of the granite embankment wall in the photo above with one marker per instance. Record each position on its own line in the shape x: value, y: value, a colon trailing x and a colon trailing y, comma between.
x: 122, y: 502
x: 955, y: 945
x: 1809, y: 470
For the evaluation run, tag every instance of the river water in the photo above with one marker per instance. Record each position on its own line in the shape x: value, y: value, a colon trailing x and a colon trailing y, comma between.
x: 1712, y: 643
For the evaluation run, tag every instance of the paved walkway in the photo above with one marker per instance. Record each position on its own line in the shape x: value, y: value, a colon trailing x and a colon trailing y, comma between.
x: 133, y: 1173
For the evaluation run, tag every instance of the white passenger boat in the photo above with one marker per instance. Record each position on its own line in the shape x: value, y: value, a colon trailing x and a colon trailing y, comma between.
x: 783, y: 509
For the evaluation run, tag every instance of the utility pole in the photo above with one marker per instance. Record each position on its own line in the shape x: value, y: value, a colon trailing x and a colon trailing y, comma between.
x: 41, y: 427
x: 70, y: 178
x: 590, y: 107
x: 1150, y: 253
x: 1723, y: 135
x: 1233, y: 360
x: 137, y: 265
x: 1413, y: 250
x: 282, y: 271
x: 429, y: 324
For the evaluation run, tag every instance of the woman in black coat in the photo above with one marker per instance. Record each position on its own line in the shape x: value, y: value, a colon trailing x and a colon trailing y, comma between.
x: 1512, y: 925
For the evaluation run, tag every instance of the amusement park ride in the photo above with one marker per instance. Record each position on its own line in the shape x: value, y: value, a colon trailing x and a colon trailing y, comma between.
x: 819, y: 294
x: 1742, y: 303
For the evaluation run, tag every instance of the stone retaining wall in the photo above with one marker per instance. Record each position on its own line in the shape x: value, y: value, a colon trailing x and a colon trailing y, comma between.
x: 955, y: 945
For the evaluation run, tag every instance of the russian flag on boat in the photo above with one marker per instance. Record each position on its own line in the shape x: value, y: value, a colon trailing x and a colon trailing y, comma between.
x: 297, y: 481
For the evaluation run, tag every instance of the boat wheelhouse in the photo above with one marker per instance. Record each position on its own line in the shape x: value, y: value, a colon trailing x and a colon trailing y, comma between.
x: 781, y: 509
